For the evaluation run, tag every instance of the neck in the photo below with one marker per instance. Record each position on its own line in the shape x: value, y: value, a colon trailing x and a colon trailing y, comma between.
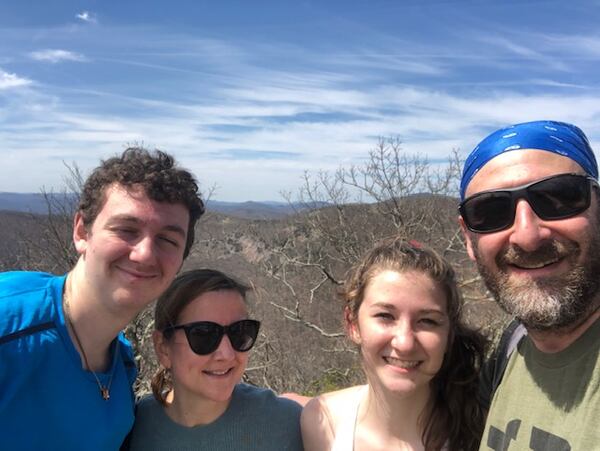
x: 379, y: 415
x: 552, y: 341
x: 91, y: 326
x: 191, y: 411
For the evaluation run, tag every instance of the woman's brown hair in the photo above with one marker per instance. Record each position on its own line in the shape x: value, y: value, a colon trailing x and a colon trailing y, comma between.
x: 454, y: 415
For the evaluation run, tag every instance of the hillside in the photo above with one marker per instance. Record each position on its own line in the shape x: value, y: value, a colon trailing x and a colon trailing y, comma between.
x: 295, y: 264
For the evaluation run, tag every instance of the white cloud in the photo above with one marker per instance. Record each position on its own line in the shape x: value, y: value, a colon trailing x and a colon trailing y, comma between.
x: 8, y: 81
x: 204, y: 99
x: 530, y: 51
x: 578, y: 46
x: 56, y: 55
x: 86, y: 16
x: 429, y: 123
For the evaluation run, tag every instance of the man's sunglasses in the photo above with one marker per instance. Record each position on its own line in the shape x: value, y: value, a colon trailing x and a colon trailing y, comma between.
x: 204, y: 337
x: 556, y: 197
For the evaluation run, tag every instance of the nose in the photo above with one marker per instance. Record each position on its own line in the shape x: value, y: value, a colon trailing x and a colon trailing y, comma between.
x: 143, y: 251
x: 225, y: 350
x: 404, y: 338
x: 528, y: 230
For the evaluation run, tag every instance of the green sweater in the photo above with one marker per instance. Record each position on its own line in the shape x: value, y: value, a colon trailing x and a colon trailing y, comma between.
x: 256, y: 419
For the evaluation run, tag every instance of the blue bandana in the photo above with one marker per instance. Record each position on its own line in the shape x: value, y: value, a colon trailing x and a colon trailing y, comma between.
x: 558, y: 137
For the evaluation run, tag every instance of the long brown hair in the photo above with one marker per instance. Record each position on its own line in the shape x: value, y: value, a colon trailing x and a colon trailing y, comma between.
x: 454, y: 415
x: 185, y: 288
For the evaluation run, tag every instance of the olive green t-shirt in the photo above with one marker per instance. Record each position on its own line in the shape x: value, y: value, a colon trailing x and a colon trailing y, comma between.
x: 548, y: 402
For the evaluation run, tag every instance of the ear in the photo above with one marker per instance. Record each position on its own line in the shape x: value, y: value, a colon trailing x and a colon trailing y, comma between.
x: 80, y: 234
x: 352, y: 326
x: 161, y: 348
x: 468, y: 239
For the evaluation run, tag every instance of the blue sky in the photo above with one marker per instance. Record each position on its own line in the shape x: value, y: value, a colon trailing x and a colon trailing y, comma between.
x: 250, y: 94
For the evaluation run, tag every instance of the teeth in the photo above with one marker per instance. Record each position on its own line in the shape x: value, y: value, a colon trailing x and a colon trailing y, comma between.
x: 535, y: 265
x: 402, y: 363
x: 217, y: 373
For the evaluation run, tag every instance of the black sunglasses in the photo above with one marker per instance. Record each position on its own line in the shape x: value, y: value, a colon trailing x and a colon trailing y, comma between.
x: 557, y: 197
x: 204, y: 337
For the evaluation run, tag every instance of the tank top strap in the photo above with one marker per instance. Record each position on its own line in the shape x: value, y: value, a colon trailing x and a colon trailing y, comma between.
x: 344, y: 433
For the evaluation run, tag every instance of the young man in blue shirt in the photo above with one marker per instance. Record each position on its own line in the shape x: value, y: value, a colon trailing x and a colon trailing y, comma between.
x: 66, y: 371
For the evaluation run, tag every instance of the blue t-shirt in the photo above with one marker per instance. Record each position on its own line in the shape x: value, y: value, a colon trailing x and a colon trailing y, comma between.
x: 47, y: 401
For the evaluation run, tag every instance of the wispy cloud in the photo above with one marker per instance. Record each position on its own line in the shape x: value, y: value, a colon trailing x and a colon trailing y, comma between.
x: 56, y: 55
x: 8, y: 81
x: 87, y: 16
x: 526, y: 52
x: 573, y: 46
x: 249, y: 106
x: 250, y: 154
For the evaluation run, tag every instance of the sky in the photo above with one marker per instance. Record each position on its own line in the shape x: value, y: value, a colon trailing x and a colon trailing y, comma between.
x: 251, y: 94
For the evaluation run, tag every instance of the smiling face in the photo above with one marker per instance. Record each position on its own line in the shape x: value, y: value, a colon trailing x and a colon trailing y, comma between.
x: 133, y: 249
x: 205, y: 378
x: 543, y: 272
x: 402, y: 329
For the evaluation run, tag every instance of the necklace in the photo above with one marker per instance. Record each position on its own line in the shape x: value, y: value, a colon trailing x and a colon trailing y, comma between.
x: 104, y: 390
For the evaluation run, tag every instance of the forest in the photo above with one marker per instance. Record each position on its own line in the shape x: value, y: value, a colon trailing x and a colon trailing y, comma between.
x: 295, y: 264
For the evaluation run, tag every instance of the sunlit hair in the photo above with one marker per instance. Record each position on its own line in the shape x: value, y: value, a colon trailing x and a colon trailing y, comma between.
x: 185, y: 288
x: 454, y: 416
x: 155, y: 172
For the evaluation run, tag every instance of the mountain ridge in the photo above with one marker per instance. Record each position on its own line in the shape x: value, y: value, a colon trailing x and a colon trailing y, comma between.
x: 36, y: 203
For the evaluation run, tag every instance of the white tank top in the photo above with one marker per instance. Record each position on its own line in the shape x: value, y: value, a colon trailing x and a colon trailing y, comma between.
x: 344, y: 433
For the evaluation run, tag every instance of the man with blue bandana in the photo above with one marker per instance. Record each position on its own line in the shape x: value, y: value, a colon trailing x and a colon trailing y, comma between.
x: 530, y: 215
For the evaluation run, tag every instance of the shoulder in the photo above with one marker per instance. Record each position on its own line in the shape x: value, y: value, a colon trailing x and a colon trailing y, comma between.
x: 492, y: 370
x: 335, y: 404
x: 322, y: 415
x: 341, y: 401
x: 147, y: 405
x: 148, y: 413
x: 15, y: 283
x: 264, y: 398
x: 272, y: 421
x: 127, y: 357
x: 27, y: 299
x: 149, y: 426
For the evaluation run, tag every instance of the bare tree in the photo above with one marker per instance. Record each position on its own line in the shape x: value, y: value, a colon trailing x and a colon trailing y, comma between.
x: 339, y: 216
x: 390, y: 194
x: 295, y: 264
x: 44, y: 242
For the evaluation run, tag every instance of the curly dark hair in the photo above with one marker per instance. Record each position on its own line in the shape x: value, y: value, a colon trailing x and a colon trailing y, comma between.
x: 155, y: 172
x: 185, y: 288
x: 454, y: 415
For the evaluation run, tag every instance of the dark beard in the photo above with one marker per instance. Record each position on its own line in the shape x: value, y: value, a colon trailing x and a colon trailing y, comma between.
x: 551, y: 302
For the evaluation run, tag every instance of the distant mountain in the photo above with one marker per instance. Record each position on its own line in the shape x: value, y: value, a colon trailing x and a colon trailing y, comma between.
x: 23, y: 202
x: 251, y: 209
x: 36, y: 203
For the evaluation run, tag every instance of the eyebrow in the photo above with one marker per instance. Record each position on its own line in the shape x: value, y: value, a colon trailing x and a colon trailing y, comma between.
x: 389, y: 306
x: 128, y: 218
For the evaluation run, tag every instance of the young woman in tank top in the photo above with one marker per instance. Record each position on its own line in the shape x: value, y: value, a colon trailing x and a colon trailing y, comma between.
x: 402, y: 309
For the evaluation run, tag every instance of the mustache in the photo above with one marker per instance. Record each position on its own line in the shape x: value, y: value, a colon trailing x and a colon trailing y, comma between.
x: 549, y: 251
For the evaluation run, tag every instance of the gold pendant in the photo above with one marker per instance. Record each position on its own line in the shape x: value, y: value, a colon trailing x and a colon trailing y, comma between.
x: 105, y: 393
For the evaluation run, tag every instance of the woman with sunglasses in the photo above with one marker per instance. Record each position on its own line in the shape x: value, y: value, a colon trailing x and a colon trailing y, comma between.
x: 402, y: 309
x: 202, y: 337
